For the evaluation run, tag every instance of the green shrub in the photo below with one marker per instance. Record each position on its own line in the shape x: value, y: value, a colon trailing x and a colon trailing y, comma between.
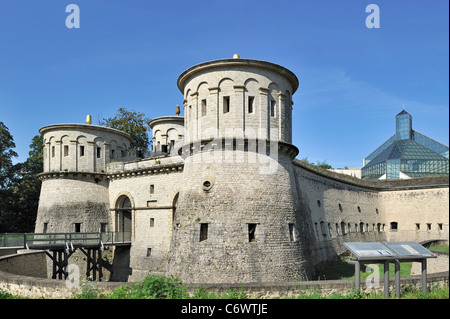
x: 152, y: 287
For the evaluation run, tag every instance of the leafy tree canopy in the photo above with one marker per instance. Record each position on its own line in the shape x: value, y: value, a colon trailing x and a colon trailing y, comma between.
x: 133, y: 123
x: 19, y: 184
x: 6, y: 155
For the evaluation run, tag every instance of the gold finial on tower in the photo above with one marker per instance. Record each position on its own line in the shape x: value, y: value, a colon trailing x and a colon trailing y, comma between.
x: 236, y: 56
x: 88, y: 119
x: 177, y: 110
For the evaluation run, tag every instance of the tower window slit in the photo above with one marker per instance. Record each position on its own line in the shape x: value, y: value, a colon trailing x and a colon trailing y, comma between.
x: 203, y: 232
x: 226, y: 104
x: 204, y: 107
x: 250, y: 104
x: 272, y: 108
x: 252, y: 233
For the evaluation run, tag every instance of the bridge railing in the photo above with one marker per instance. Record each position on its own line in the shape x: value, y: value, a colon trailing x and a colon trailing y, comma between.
x: 12, y: 240
x: 62, y: 240
x: 113, y: 238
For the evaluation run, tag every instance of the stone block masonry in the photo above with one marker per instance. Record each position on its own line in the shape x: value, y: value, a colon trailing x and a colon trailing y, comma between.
x: 203, y: 208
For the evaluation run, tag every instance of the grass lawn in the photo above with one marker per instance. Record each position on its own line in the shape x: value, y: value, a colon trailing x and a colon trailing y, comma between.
x: 439, y: 248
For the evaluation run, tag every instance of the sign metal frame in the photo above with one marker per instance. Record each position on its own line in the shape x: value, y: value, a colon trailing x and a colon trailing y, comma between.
x: 385, y: 253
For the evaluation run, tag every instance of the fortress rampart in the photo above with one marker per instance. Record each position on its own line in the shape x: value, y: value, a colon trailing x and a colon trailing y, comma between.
x: 342, y: 211
x: 222, y: 199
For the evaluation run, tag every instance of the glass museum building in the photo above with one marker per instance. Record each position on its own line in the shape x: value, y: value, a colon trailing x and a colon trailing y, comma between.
x: 406, y: 154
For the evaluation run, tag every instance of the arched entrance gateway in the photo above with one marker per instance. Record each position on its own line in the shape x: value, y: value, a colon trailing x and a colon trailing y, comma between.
x: 123, y: 215
x: 123, y: 211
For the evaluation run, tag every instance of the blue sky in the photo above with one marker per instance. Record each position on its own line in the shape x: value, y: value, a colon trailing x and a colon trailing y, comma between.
x: 353, y: 80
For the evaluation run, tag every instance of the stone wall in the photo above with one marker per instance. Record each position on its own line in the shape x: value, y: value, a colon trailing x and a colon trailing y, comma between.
x: 419, y: 214
x: 341, y: 211
x: 338, y: 212
x: 32, y: 263
x: 434, y: 265
x: 235, y: 223
x: 73, y: 202
x: 152, y: 190
x: 34, y: 287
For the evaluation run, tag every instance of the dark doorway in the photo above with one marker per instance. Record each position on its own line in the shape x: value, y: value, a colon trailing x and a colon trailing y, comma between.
x: 123, y: 215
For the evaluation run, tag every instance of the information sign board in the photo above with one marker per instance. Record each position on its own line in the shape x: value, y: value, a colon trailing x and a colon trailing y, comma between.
x: 370, y: 250
x: 409, y: 249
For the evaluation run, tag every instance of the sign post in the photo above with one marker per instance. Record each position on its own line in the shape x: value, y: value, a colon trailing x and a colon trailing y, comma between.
x: 389, y: 252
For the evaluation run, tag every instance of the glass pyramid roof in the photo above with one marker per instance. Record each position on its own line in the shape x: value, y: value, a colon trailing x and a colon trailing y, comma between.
x: 406, y: 150
x: 406, y: 153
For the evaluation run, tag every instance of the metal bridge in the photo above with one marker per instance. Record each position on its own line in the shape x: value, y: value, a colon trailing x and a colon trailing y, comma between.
x: 60, y: 246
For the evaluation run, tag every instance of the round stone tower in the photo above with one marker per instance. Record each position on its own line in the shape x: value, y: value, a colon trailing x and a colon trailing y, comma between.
x: 236, y: 216
x: 168, y: 133
x: 74, y: 195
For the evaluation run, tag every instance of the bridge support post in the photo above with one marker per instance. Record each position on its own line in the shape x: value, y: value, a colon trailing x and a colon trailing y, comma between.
x: 60, y: 260
x: 94, y: 263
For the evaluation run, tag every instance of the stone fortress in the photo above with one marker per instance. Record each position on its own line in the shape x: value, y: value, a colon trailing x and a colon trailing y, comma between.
x: 222, y: 199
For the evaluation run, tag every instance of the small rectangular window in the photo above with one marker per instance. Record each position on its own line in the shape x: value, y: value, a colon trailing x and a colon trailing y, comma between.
x: 99, y: 152
x: 152, y: 189
x: 291, y: 232
x: 77, y: 227
x: 113, y: 154
x: 226, y: 104
x: 250, y: 104
x: 152, y: 222
x: 417, y: 226
x: 53, y: 151
x: 428, y: 226
x: 203, y: 107
x: 103, y: 227
x: 66, y: 150
x: 272, y: 108
x: 44, y: 229
x: 203, y: 232
x: 252, y: 233
x: 149, y: 252
x: 440, y: 226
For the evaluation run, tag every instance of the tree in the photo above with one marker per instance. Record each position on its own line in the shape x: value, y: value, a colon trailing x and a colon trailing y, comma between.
x: 324, y: 164
x: 7, y: 176
x: 19, y: 184
x: 6, y: 155
x: 28, y: 187
x: 133, y: 123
